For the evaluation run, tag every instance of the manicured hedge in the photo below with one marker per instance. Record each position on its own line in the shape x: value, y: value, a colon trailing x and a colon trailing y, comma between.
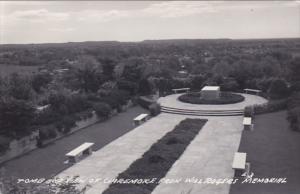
x: 225, y: 98
x: 249, y: 111
x: 156, y: 162
x: 271, y: 106
x: 149, y: 104
x: 155, y: 109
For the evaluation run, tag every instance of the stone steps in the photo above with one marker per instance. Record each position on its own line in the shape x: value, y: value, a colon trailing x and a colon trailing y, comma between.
x: 202, y: 112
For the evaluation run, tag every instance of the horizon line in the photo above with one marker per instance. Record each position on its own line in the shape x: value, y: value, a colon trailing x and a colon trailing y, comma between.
x: 140, y: 41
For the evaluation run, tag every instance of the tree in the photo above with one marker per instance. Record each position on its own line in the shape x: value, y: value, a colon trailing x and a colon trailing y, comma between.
x: 230, y: 85
x: 87, y: 74
x: 197, y: 82
x: 278, y: 89
x: 19, y: 87
x: 88, y: 79
x: 40, y: 81
x: 108, y: 66
x: 145, y: 87
x: 294, y: 67
x: 15, y: 117
x: 129, y: 86
x: 241, y: 71
x: 133, y: 69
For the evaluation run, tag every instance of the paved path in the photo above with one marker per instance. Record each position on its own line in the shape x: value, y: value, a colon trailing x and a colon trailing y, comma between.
x: 118, y: 155
x: 49, y: 161
x: 210, y: 154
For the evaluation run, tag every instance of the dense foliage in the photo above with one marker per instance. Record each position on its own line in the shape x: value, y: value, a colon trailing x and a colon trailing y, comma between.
x: 294, y: 111
x: 73, y: 77
x: 15, y: 117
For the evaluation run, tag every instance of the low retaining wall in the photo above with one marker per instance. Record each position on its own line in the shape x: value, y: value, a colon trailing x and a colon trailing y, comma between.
x: 21, y: 146
x: 29, y: 143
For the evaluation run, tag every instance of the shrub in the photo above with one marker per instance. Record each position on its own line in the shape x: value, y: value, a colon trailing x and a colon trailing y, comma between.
x: 46, y: 117
x: 294, y: 118
x: 77, y: 103
x: 4, y: 144
x: 271, y: 106
x: 111, y: 101
x: 121, y: 96
x: 68, y: 122
x: 102, y: 109
x: 43, y: 134
x: 52, y: 133
x: 155, y: 109
x: 248, y: 111
x: 129, y: 86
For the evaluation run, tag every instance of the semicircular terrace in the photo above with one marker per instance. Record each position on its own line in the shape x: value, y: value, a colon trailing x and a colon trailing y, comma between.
x: 171, y: 101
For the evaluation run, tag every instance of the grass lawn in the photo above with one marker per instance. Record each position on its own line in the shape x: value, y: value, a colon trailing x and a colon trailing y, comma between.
x: 273, y: 151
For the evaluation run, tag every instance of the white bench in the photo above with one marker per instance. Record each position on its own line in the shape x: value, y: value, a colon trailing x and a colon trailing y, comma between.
x: 140, y: 119
x: 83, y: 149
x: 247, y: 122
x: 181, y: 89
x: 247, y: 90
x: 239, y: 163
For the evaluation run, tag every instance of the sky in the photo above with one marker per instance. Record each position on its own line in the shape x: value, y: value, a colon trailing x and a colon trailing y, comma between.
x: 75, y: 21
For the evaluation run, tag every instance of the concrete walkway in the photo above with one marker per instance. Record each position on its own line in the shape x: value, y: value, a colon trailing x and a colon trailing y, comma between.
x: 209, y: 155
x: 118, y: 155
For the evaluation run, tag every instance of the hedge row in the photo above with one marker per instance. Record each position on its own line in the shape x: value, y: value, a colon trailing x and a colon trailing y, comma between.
x: 156, y: 162
x: 271, y: 106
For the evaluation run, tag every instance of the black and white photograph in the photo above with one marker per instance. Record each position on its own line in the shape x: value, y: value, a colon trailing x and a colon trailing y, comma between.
x: 150, y: 97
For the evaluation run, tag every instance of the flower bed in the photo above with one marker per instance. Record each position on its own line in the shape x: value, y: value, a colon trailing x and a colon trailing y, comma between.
x: 225, y: 98
x: 156, y: 162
